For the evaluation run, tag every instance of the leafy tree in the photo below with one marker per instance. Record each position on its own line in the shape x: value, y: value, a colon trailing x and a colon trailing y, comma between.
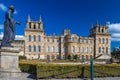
x: 76, y: 57
x: 69, y: 57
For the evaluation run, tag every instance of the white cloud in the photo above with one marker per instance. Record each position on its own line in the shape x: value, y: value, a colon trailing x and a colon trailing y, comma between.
x: 4, y: 8
x: 17, y: 37
x: 114, y: 29
x: 1, y: 26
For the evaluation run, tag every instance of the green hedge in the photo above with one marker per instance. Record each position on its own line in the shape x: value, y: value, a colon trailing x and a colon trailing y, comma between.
x: 29, y: 68
x: 76, y: 71
x: 70, y: 71
x: 22, y: 57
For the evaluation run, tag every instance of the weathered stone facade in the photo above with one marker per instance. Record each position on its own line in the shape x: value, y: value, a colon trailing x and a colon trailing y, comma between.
x: 40, y: 46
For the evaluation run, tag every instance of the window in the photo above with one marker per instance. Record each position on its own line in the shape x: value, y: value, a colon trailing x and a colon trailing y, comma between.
x: 57, y: 40
x: 106, y: 50
x: 30, y: 25
x: 57, y: 49
x: 86, y: 49
x: 107, y: 41
x: 99, y: 50
x: 82, y: 57
x: 63, y: 40
x: 29, y: 48
x: 73, y: 49
x: 34, y: 38
x: 48, y: 40
x: 102, y: 40
x: 90, y: 49
x: 86, y: 41
x: 90, y: 41
x: 29, y: 38
x: 103, y: 50
x: 39, y: 38
x: 34, y: 27
x: 99, y: 40
x: 39, y: 48
x: 90, y: 56
x: 52, y: 40
x: 58, y: 57
x: 34, y: 49
x: 72, y: 39
x: 78, y: 40
x: 78, y: 49
x: 86, y: 57
x: 82, y: 49
x: 53, y: 56
x: 83, y: 41
x: 53, y: 49
x: 48, y: 49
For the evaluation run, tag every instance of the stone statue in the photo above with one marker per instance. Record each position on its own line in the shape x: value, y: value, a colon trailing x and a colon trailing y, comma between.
x: 9, y: 28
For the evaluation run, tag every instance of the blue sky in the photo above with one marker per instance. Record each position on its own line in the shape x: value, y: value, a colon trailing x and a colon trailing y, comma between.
x: 77, y: 15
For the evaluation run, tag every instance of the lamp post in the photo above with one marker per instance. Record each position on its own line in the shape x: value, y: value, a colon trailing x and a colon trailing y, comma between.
x: 92, y: 67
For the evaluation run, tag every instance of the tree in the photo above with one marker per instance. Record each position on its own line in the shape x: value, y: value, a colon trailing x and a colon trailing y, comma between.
x: 76, y: 57
x: 69, y: 57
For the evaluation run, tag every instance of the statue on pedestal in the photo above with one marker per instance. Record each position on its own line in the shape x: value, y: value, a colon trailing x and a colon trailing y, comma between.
x: 9, y: 28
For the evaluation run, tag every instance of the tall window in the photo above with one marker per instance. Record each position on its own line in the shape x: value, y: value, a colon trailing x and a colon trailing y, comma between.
x: 34, y: 38
x: 90, y: 41
x: 102, y: 40
x: 106, y: 50
x: 86, y: 57
x: 82, y: 57
x: 99, y: 40
x: 53, y: 56
x: 72, y: 39
x: 86, y: 41
x: 102, y: 50
x: 78, y: 40
x: 83, y: 41
x: 57, y: 40
x: 48, y: 49
x: 29, y: 38
x: 39, y: 48
x: 34, y: 48
x: 90, y: 56
x: 99, y: 49
x: 73, y: 49
x: 90, y: 49
x: 57, y: 49
x: 107, y: 41
x: 39, y: 38
x: 53, y: 49
x: 52, y: 40
x: 78, y: 49
x: 29, y: 48
x: 82, y: 49
x: 86, y: 49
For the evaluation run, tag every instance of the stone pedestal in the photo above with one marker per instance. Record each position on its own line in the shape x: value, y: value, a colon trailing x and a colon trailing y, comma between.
x: 9, y: 62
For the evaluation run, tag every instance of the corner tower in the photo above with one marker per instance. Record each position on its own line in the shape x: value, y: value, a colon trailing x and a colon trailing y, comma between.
x: 34, y: 39
x: 102, y: 41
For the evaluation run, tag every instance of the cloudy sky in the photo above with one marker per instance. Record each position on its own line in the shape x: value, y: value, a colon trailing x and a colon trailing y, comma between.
x: 77, y: 15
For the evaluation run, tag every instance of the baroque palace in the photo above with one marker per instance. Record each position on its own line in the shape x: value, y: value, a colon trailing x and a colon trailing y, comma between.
x: 40, y: 46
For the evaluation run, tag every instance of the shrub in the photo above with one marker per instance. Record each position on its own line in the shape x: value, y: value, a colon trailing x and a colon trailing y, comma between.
x: 22, y: 57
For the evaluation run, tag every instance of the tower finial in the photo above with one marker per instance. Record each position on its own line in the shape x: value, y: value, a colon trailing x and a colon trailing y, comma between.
x: 29, y: 18
x: 40, y: 19
x: 97, y: 24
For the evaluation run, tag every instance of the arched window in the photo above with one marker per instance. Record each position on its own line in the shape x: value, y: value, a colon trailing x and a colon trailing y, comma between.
x: 86, y: 41
x: 57, y: 49
x: 72, y: 39
x: 34, y: 38
x: 53, y: 56
x: 34, y: 48
x: 99, y: 40
x: 39, y: 48
x: 107, y: 41
x: 39, y: 38
x: 102, y: 30
x: 29, y: 37
x: 82, y: 57
x: 86, y: 57
x: 83, y: 41
x: 90, y: 56
x: 30, y: 25
x: 29, y: 48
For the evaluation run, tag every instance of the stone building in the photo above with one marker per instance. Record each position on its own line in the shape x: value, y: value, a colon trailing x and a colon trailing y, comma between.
x: 40, y: 46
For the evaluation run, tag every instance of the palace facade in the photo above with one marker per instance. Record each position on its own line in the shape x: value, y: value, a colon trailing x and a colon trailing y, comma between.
x: 40, y: 46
